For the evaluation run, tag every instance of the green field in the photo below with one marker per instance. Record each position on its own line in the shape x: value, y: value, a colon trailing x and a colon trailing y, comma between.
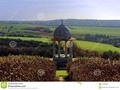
x: 76, y: 30
x: 95, y: 46
x: 81, y: 44
x: 61, y: 73
x: 95, y: 30
x: 28, y: 38
x: 19, y: 29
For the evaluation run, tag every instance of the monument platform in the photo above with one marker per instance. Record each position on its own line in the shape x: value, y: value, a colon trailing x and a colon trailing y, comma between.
x: 62, y: 61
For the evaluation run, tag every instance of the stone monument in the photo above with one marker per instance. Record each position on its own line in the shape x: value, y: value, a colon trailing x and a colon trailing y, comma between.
x: 62, y: 37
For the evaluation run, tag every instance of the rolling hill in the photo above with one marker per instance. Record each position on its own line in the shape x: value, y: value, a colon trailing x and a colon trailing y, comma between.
x: 81, y: 44
x: 71, y: 22
x: 95, y: 46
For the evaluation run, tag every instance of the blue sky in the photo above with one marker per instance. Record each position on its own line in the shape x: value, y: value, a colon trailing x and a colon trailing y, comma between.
x: 59, y: 9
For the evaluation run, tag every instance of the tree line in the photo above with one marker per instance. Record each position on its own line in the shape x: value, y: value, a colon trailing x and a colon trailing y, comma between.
x: 115, y: 41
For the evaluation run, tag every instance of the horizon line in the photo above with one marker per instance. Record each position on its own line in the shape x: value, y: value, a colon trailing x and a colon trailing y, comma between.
x: 60, y: 19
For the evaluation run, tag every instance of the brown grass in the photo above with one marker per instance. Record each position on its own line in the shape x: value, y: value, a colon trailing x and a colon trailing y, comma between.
x: 26, y: 68
x: 84, y: 69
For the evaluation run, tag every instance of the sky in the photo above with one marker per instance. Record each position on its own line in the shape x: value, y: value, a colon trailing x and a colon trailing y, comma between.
x: 29, y: 10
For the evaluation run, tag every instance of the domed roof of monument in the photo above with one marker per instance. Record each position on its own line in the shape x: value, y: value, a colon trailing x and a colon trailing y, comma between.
x: 62, y: 33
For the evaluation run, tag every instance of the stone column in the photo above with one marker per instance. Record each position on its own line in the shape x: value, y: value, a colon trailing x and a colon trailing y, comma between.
x: 54, y: 49
x: 66, y: 49
x: 71, y: 51
x: 59, y: 52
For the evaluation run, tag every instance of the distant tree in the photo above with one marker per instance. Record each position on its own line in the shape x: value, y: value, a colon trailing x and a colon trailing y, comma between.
x: 11, y: 27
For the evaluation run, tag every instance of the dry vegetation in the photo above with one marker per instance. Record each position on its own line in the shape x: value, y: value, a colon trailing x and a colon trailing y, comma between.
x: 35, y: 68
x: 94, y: 69
x: 26, y: 68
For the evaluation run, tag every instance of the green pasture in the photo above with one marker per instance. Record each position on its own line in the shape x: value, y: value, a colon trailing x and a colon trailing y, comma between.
x: 96, y: 30
x: 86, y: 45
x: 95, y: 46
x: 76, y: 30
x: 47, y: 40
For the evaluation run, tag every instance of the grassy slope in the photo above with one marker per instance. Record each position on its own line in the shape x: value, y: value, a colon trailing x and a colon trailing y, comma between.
x: 96, y: 46
x: 96, y: 30
x: 17, y: 26
x: 77, y: 30
x: 74, y: 29
x: 28, y: 38
x: 18, y: 29
x: 82, y: 44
